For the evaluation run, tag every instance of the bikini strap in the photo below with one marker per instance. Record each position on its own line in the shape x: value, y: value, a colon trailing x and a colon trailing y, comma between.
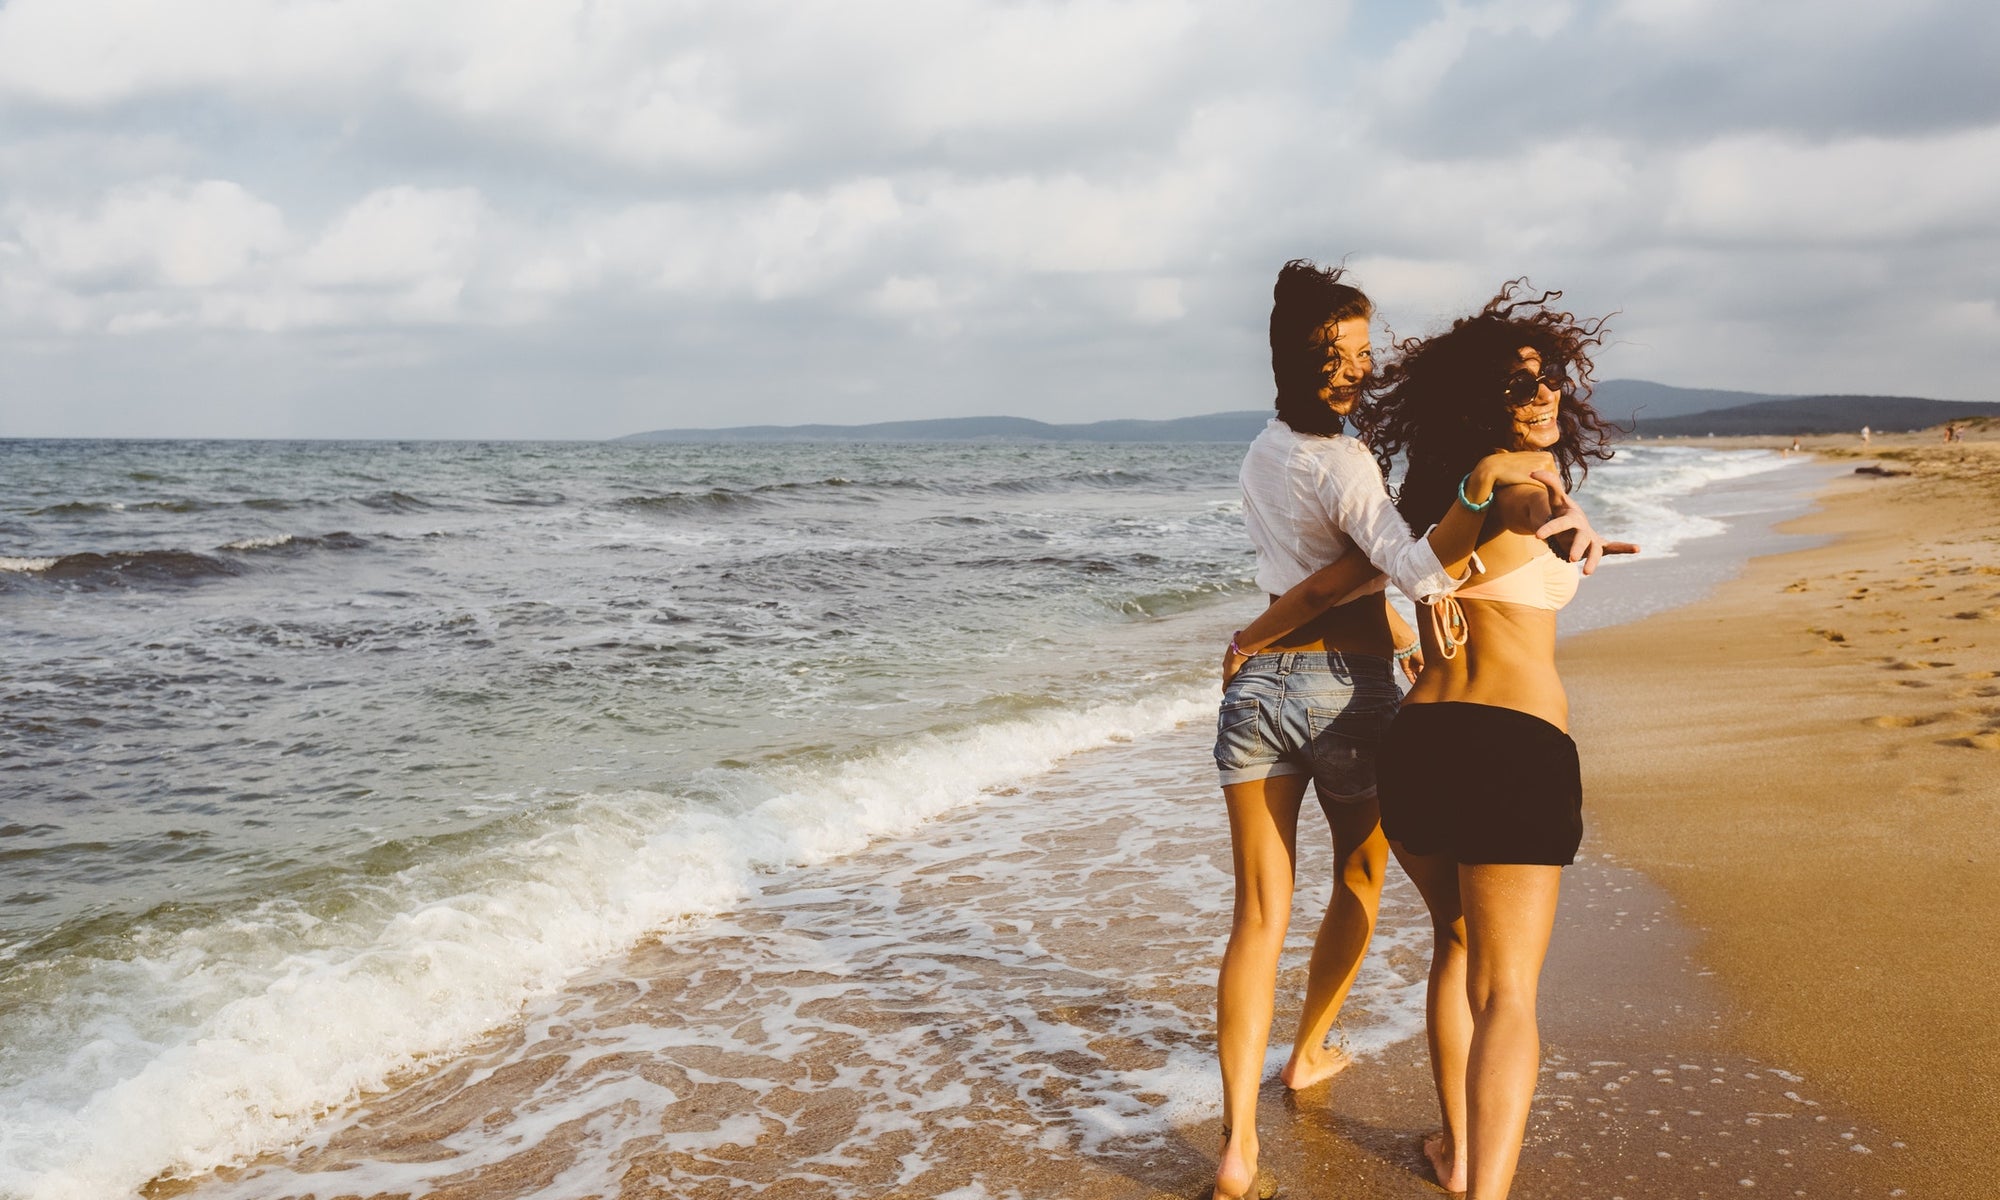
x: 1448, y: 616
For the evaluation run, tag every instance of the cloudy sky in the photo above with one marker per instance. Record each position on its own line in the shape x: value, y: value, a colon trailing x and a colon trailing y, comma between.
x: 581, y: 218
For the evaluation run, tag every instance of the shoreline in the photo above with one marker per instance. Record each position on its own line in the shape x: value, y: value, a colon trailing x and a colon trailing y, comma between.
x: 628, y: 1081
x: 1655, y: 1081
x: 1804, y: 762
x: 1021, y: 1004
x: 1751, y: 510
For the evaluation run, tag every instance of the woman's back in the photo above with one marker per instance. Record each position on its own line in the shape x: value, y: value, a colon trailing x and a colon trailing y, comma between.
x: 1494, y: 642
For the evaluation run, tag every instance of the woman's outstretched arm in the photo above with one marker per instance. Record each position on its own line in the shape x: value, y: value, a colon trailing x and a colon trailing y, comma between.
x: 1548, y: 513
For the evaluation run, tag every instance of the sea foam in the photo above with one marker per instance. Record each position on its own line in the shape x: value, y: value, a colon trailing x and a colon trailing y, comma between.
x: 291, y: 1013
x: 1643, y: 495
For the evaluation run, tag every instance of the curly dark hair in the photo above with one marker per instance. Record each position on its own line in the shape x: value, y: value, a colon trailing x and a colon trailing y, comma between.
x: 1306, y: 297
x: 1441, y: 403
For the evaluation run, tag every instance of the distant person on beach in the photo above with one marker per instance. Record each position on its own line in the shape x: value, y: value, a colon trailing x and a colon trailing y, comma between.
x: 1865, y: 435
x: 1314, y: 703
x: 1480, y: 788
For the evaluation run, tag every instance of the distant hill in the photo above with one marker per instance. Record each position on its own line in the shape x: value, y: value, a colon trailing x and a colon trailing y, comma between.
x: 1652, y: 409
x: 1216, y: 427
x: 1626, y: 400
x: 1817, y: 414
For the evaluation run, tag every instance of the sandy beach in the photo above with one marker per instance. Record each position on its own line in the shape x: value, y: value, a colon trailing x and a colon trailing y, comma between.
x: 1807, y: 763
x: 1767, y: 977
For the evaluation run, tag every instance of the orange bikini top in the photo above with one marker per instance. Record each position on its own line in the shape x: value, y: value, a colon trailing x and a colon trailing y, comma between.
x: 1544, y: 582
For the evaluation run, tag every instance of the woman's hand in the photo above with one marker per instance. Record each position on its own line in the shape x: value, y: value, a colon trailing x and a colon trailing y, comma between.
x: 1404, y: 638
x: 1567, y: 517
x: 1505, y: 467
x: 1232, y: 662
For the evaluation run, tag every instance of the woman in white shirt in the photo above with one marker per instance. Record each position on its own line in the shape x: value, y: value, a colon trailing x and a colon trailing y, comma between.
x: 1315, y: 704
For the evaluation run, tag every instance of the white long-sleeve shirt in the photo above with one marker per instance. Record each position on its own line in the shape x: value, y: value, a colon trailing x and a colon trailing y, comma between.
x: 1309, y: 500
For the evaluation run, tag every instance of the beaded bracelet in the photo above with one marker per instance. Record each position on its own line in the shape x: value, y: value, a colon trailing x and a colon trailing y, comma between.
x: 1408, y: 650
x: 1482, y: 506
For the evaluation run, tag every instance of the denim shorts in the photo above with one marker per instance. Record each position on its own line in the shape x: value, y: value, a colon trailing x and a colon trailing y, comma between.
x: 1317, y: 713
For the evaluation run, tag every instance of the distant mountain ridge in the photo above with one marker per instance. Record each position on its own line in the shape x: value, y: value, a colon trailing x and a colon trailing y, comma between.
x: 1214, y: 427
x: 1819, y: 414
x: 1638, y: 405
x: 1627, y: 400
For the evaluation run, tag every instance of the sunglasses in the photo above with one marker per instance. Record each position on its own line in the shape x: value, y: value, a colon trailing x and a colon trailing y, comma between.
x: 1522, y: 387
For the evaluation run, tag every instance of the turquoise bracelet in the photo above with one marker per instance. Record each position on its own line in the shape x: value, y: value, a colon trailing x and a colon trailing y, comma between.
x: 1408, y: 650
x: 1482, y: 506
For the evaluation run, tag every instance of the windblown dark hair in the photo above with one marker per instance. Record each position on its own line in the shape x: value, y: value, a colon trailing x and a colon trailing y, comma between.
x: 1442, y: 404
x: 1306, y: 297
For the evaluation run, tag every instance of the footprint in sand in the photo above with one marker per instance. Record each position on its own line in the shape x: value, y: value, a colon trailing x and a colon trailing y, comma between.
x: 1977, y: 674
x: 1904, y: 664
x: 1831, y: 635
x: 1901, y: 722
x: 1988, y: 739
x: 1979, y: 614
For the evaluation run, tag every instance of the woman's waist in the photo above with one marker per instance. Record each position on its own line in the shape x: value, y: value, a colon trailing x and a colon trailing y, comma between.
x: 1539, y: 693
x: 1361, y: 626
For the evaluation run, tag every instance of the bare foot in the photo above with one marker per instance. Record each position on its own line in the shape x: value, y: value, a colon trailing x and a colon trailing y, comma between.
x: 1450, y: 1169
x: 1313, y: 1066
x: 1236, y: 1174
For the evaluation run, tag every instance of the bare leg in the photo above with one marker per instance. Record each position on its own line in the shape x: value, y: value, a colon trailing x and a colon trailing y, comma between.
x: 1447, y: 1014
x: 1510, y: 911
x: 1263, y: 832
x: 1362, y: 853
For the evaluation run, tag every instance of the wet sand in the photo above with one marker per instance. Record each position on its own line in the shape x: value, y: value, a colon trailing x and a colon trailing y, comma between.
x: 1019, y: 1005
x: 1809, y: 763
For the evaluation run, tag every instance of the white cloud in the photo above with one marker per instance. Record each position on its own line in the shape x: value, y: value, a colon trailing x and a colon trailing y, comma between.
x: 1158, y: 300
x: 157, y: 233
x: 796, y: 242
x: 101, y: 52
x: 901, y: 296
x: 1862, y: 191
x: 1419, y: 62
x: 964, y: 66
x: 1071, y: 205
x: 713, y: 87
x: 397, y: 236
x: 1070, y: 223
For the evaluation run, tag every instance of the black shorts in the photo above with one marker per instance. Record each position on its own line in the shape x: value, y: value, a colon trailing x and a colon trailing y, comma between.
x: 1480, y: 784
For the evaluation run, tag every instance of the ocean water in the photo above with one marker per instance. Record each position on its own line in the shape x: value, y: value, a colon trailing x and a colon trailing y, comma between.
x: 319, y: 760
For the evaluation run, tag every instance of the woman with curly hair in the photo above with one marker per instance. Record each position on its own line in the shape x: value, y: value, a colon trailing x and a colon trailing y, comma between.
x: 1315, y: 701
x: 1485, y: 827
